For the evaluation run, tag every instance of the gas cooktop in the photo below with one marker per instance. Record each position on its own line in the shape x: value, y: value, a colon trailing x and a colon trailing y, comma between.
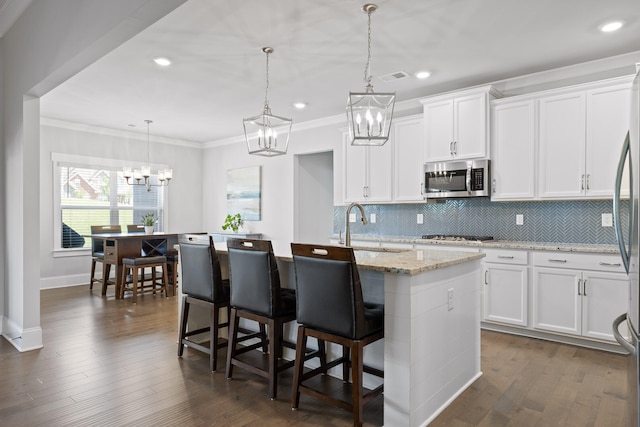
x: 456, y: 238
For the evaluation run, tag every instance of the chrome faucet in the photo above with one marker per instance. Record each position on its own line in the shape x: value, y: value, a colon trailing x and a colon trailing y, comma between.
x: 347, y: 238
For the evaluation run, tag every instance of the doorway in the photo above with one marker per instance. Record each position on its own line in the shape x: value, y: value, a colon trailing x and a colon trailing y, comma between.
x: 313, y: 197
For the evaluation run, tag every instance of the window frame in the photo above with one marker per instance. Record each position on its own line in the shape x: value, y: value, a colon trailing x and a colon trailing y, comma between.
x: 96, y: 163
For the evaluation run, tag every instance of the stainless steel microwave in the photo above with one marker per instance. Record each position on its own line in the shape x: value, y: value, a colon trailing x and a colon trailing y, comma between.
x: 460, y: 178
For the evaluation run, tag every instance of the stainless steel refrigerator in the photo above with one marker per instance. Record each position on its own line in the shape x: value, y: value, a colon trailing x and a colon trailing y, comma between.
x: 628, y: 238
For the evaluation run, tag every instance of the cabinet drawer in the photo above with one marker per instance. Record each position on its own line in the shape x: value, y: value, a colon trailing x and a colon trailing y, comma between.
x: 506, y: 256
x: 599, y: 262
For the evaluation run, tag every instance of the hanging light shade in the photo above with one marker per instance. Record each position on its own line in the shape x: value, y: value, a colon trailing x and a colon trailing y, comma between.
x: 266, y: 134
x: 142, y: 176
x: 369, y: 113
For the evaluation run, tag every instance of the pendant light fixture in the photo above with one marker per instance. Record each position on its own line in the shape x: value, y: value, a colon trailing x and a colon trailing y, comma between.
x: 266, y: 134
x: 142, y: 176
x: 369, y: 113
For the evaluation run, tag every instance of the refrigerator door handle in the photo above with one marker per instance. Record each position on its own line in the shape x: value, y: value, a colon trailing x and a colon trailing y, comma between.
x: 626, y: 254
x: 621, y: 340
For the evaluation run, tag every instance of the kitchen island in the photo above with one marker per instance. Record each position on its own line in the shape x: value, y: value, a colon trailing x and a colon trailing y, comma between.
x: 431, y: 349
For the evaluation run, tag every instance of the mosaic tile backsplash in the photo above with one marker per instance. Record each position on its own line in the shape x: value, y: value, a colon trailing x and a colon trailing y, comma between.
x: 549, y: 221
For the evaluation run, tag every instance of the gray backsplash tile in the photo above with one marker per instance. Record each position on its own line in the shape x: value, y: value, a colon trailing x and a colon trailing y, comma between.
x: 548, y: 221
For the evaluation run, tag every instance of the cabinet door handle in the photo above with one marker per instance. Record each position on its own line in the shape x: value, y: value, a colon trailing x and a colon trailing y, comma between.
x: 364, y: 194
x: 588, y: 178
x: 557, y: 260
x: 486, y: 282
x: 579, y: 283
x: 451, y: 148
x: 422, y: 189
x: 505, y: 257
x: 584, y: 287
x: 455, y: 147
x: 493, y: 186
x: 582, y: 182
x: 610, y: 264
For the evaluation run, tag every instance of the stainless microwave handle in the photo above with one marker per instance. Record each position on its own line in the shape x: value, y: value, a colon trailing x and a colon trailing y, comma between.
x: 468, y: 178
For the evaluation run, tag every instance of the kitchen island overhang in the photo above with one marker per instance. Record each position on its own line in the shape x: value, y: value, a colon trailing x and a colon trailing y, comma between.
x: 431, y: 349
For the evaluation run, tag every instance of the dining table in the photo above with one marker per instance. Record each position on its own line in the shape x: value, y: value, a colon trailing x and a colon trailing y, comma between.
x: 132, y: 245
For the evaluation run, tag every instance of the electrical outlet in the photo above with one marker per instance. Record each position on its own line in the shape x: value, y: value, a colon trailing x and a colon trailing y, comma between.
x: 450, y: 299
x: 519, y: 219
x: 420, y: 219
x: 372, y: 218
x: 607, y: 220
x: 352, y: 217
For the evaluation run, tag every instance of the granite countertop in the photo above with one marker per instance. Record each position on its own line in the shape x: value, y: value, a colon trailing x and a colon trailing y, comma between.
x: 494, y: 244
x: 411, y: 262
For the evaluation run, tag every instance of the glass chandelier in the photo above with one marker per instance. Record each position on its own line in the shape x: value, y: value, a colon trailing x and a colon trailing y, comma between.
x: 369, y: 113
x: 142, y: 176
x: 266, y: 134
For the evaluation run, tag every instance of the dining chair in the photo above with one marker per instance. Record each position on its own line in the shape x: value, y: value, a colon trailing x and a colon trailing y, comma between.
x: 256, y: 295
x: 97, y: 255
x: 330, y: 307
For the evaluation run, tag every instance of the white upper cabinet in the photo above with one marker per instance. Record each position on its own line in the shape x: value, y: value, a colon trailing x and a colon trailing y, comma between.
x: 368, y: 172
x: 513, y: 150
x: 408, y: 140
x: 455, y: 125
x: 580, y: 137
x: 607, y: 124
x: 562, y: 145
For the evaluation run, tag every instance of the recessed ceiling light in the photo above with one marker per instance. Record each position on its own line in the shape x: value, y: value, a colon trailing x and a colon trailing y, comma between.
x: 300, y: 105
x: 162, y: 61
x: 423, y: 74
x: 610, y: 27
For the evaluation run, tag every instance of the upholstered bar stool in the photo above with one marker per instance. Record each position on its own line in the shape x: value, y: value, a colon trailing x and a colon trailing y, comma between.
x: 256, y: 295
x: 137, y: 286
x: 330, y: 307
x: 202, y: 284
x: 97, y: 255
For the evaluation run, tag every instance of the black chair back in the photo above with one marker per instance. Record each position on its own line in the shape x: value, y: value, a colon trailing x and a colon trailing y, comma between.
x: 97, y: 245
x: 201, y: 275
x: 254, y: 276
x: 328, y: 290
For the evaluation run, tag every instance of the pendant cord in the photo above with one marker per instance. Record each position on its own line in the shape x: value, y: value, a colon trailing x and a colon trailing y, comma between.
x: 148, y: 144
x: 266, y: 92
x: 367, y: 68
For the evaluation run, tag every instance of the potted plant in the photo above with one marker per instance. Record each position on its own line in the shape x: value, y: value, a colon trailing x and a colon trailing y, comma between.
x: 148, y: 221
x: 233, y: 222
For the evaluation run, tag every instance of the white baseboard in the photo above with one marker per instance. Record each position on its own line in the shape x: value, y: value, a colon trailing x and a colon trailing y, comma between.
x: 63, y: 281
x: 22, y: 339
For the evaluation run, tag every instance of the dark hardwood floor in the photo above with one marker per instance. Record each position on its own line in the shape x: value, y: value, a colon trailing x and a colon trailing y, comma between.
x: 107, y: 362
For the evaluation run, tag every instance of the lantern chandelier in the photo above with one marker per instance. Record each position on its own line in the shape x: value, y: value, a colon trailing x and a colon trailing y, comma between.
x: 266, y: 134
x: 142, y: 176
x: 369, y: 113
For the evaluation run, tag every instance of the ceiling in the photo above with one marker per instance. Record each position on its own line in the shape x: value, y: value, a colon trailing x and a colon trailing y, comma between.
x: 218, y: 71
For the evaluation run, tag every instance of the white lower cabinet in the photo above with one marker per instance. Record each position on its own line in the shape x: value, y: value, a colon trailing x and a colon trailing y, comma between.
x: 578, y: 294
x: 506, y: 278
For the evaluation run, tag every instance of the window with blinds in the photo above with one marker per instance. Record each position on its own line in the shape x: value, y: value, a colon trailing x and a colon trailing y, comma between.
x: 99, y: 195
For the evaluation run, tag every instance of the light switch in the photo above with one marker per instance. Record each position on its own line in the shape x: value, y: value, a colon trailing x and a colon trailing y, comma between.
x: 607, y: 220
x: 372, y: 218
x: 519, y: 219
x: 420, y: 219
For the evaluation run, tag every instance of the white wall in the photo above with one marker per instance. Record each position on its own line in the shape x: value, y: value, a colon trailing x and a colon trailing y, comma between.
x: 277, y: 221
x: 184, y: 191
x: 48, y: 44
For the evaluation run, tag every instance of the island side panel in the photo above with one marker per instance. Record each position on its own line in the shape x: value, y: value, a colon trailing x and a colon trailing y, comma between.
x: 431, y: 353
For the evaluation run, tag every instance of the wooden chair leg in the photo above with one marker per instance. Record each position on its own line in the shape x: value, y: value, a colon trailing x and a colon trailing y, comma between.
x: 233, y: 335
x: 356, y: 382
x: 322, y: 354
x: 106, y: 272
x: 263, y: 337
x: 214, y: 317
x: 183, y: 324
x: 301, y: 347
x: 165, y: 280
x: 93, y: 273
x: 345, y: 364
x: 275, y: 337
x: 134, y: 272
